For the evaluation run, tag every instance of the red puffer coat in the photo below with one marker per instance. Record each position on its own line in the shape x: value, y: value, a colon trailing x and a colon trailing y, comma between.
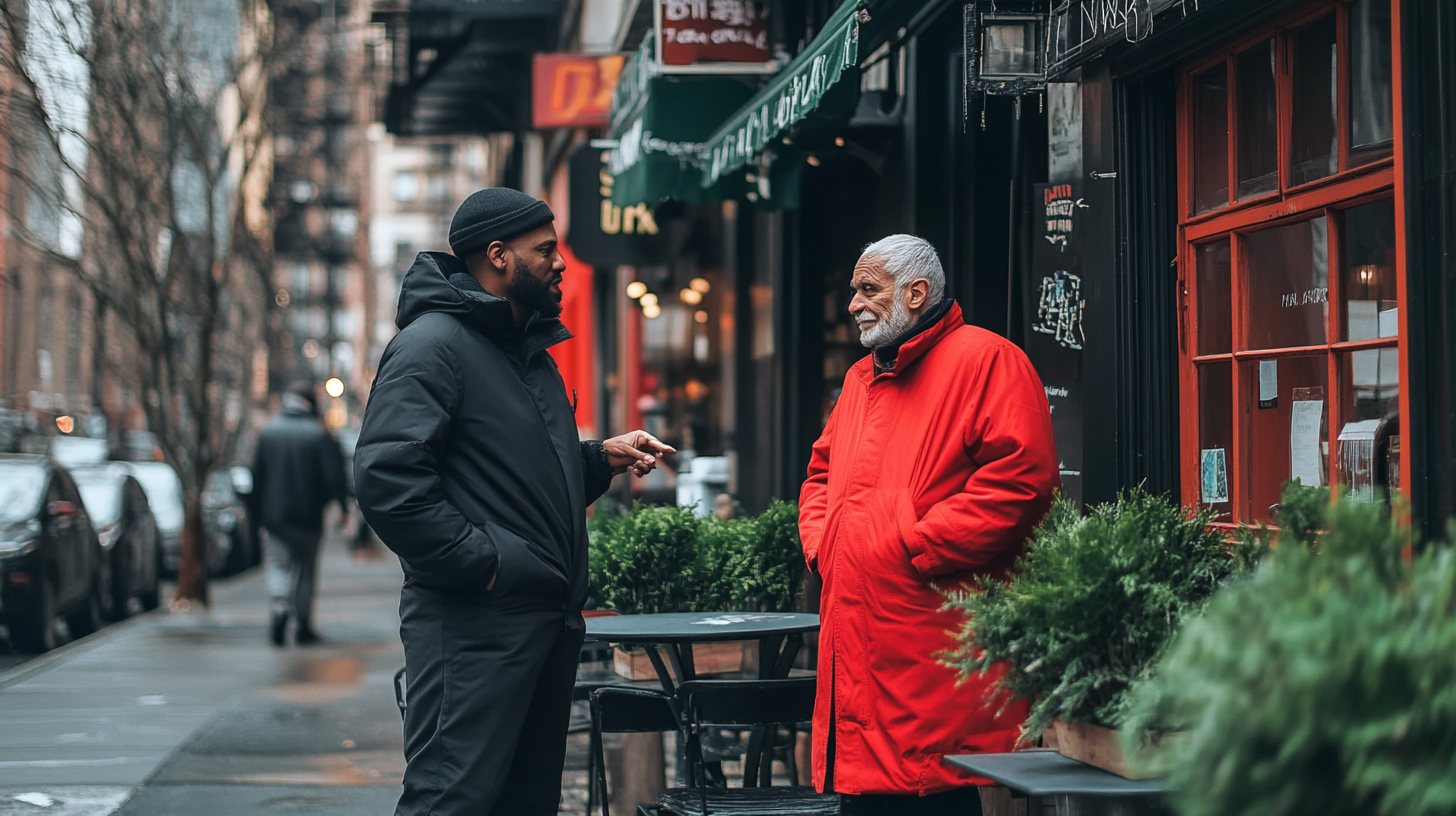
x: 926, y: 476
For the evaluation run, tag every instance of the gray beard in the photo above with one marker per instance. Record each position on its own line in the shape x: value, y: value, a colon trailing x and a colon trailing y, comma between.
x: 887, y: 330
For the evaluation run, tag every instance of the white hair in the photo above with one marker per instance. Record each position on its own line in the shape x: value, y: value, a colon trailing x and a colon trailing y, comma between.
x: 906, y: 258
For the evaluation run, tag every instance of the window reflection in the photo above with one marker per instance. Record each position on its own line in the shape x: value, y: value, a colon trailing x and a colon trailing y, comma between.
x: 1372, y: 128
x: 1210, y: 171
x: 1258, y: 145
x: 1287, y: 272
x: 1313, y: 148
x: 1367, y: 274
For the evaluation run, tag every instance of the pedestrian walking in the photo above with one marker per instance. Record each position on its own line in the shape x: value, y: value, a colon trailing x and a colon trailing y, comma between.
x: 936, y: 463
x: 297, y: 470
x: 469, y: 468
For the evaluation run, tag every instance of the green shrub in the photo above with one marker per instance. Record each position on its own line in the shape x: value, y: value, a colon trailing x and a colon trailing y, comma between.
x: 663, y: 559
x: 1092, y: 605
x: 1319, y: 684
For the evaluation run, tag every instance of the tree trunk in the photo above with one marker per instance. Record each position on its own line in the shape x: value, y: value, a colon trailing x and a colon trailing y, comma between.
x: 192, y: 564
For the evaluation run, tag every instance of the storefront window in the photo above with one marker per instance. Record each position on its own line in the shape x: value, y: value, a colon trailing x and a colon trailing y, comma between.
x: 1258, y: 122
x: 1210, y: 174
x: 1372, y: 128
x: 1313, y: 148
x: 1283, y: 384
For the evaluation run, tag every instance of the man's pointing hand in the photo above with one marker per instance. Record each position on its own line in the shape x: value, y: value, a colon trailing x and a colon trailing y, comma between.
x: 636, y: 450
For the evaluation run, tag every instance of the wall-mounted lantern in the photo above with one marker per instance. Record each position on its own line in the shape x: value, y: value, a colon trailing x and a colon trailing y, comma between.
x: 1006, y: 47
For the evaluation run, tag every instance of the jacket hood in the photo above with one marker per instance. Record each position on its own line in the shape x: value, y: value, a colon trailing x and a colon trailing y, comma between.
x: 427, y: 288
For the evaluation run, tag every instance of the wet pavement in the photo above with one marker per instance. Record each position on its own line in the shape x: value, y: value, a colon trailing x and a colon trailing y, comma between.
x: 187, y: 714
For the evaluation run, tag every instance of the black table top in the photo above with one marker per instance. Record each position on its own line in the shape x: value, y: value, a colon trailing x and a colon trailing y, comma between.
x: 697, y: 627
x: 1048, y: 773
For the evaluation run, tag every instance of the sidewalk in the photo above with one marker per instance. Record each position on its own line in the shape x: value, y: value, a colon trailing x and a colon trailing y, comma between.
x: 165, y: 715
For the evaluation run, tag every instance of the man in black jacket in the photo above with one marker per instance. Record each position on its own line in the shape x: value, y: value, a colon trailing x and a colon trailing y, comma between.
x: 469, y: 468
x: 297, y: 471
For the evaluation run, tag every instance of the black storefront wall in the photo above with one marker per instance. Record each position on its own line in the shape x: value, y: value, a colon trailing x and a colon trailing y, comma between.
x: 1428, y: 51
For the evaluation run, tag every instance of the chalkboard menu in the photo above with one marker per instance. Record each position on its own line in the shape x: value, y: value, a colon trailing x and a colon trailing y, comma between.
x: 1055, y: 301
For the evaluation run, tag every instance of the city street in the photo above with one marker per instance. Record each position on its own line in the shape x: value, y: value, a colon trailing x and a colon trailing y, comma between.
x: 168, y: 714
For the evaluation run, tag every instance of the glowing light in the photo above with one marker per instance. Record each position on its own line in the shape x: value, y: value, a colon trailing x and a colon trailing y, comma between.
x: 636, y: 289
x: 651, y: 310
x: 281, y: 298
x: 310, y: 348
x: 648, y: 299
x: 334, y: 387
x: 701, y: 316
x: 700, y: 285
x: 839, y: 141
x: 813, y: 160
x: 65, y: 424
x: 691, y: 297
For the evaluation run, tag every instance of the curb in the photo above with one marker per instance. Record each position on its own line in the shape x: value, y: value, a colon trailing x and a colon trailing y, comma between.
x: 44, y: 662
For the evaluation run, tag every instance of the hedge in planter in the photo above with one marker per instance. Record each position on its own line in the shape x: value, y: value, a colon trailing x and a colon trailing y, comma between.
x: 664, y: 559
x: 1320, y: 684
x: 1093, y: 605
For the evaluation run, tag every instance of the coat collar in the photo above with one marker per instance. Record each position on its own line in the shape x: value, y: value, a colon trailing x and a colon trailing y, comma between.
x: 916, y: 347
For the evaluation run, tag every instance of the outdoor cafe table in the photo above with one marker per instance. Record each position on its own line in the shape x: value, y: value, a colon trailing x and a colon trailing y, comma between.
x: 1041, y: 774
x: 779, y: 636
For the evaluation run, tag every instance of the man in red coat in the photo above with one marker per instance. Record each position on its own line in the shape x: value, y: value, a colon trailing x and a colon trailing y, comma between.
x: 936, y: 464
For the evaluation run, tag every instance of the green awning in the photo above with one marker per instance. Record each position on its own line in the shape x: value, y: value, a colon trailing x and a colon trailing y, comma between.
x: 660, y: 147
x: 793, y: 94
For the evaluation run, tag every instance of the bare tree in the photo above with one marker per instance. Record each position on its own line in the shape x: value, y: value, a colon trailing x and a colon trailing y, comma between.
x: 144, y: 165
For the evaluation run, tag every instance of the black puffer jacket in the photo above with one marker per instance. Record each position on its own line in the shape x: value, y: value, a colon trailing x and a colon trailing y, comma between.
x: 297, y: 470
x: 469, y: 458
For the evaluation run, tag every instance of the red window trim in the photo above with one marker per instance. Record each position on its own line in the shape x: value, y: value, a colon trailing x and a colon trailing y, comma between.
x: 1348, y: 187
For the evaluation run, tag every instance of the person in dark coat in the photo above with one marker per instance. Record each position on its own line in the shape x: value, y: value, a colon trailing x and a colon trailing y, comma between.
x: 297, y: 470
x: 470, y: 469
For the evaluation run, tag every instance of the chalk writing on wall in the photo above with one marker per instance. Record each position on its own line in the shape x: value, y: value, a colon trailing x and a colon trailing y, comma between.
x: 1059, y: 309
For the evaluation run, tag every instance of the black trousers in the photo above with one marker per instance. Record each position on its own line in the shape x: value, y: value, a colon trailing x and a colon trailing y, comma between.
x: 959, y: 802
x: 489, y: 702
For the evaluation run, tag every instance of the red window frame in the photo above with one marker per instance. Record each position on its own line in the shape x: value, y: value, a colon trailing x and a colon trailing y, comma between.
x: 1347, y: 187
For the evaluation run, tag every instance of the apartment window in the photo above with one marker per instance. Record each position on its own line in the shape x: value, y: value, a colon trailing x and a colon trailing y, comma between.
x: 1291, y: 324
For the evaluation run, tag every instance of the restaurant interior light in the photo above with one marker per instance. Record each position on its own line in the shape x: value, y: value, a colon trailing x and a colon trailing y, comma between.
x: 691, y: 297
x: 701, y: 316
x: 334, y: 387
x: 700, y: 285
x: 651, y: 310
x: 648, y: 299
x: 636, y: 289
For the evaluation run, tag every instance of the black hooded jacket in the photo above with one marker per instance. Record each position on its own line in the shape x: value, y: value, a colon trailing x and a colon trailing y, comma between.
x: 469, y: 459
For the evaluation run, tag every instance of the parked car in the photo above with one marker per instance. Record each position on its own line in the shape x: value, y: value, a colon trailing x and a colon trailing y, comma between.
x: 164, y: 495
x: 225, y: 511
x: 51, y: 560
x: 127, y: 530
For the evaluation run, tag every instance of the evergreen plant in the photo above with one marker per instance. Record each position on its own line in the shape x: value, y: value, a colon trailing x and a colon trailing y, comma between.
x: 1322, y: 683
x: 1092, y: 605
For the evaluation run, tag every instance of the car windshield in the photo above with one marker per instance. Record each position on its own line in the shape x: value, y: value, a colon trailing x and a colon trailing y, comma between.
x: 101, y: 493
x: 164, y: 493
x: 21, y: 489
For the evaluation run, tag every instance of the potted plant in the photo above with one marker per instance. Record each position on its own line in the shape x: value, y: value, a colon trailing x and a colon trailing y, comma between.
x: 1090, y: 609
x: 665, y: 559
x: 1321, y: 683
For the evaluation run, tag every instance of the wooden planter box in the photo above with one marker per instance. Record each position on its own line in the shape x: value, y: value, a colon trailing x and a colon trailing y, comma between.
x: 1093, y: 744
x: 708, y: 658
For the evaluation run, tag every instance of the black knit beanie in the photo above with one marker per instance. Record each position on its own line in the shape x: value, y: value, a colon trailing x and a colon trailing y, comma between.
x: 495, y: 214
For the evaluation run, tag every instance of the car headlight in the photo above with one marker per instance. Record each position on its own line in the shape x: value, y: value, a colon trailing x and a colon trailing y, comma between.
x: 13, y: 548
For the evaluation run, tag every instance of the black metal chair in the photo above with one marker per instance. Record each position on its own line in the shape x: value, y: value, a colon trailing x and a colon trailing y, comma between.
x: 760, y: 705
x: 625, y: 710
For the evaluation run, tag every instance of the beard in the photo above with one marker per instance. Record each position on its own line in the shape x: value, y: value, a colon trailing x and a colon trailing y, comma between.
x: 531, y: 293
x: 887, y: 329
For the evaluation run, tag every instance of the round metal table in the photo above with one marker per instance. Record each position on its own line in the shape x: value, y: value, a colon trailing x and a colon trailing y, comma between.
x: 780, y: 635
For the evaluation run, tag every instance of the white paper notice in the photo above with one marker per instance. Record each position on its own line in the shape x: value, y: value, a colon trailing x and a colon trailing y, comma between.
x: 1268, y: 383
x: 1304, y: 441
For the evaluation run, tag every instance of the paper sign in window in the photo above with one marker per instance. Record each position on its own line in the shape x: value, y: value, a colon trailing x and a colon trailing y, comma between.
x: 1304, y: 442
x: 1268, y: 383
x: 1213, y: 469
